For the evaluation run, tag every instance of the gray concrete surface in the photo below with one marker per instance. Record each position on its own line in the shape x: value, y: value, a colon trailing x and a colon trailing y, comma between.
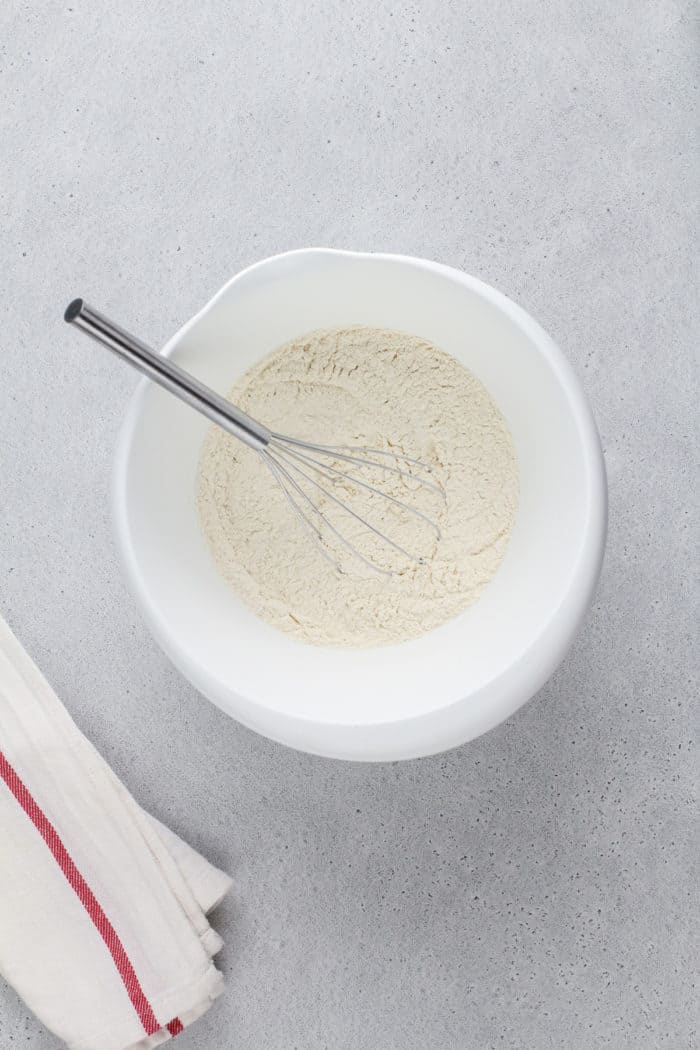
x: 534, y: 889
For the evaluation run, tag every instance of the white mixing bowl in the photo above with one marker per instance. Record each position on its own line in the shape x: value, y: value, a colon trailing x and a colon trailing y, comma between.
x: 453, y: 683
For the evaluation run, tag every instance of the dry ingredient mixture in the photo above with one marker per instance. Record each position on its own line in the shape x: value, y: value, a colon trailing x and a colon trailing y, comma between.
x: 377, y: 388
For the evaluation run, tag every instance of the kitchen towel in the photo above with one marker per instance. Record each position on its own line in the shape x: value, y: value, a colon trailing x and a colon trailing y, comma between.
x: 103, y: 928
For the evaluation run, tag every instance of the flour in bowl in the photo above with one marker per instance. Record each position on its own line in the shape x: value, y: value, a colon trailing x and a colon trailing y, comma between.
x: 381, y: 389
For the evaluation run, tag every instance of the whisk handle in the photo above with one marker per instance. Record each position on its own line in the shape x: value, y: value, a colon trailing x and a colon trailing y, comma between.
x: 168, y: 375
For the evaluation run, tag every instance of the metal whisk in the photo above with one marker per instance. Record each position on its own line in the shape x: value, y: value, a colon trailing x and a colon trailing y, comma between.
x: 304, y: 470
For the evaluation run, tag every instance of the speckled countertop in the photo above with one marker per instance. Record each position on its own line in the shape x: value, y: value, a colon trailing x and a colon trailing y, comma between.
x: 533, y: 889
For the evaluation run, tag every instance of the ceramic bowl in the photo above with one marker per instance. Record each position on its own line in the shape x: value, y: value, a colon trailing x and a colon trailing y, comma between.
x: 398, y: 701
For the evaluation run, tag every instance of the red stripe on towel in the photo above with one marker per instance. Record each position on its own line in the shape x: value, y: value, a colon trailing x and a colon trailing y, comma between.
x: 86, y: 896
x: 175, y: 1026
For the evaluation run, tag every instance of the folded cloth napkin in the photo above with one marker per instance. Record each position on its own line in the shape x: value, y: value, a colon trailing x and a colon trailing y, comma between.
x: 103, y: 928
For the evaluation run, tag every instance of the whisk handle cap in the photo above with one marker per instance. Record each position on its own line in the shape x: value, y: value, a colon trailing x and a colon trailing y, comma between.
x: 73, y: 309
x: 167, y: 374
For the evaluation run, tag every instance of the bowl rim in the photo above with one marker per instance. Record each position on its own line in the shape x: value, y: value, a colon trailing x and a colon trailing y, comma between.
x: 447, y: 726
